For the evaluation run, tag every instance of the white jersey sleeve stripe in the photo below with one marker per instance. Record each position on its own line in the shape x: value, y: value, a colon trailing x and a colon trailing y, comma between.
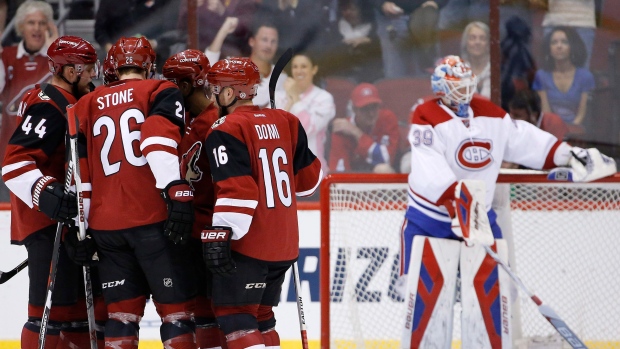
x: 21, y: 185
x: 236, y: 203
x: 238, y: 222
x: 311, y: 191
x: 158, y: 140
x: 165, y: 167
x: 12, y: 167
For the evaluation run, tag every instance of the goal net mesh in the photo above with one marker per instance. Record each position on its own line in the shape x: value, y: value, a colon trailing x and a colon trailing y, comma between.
x: 562, y: 238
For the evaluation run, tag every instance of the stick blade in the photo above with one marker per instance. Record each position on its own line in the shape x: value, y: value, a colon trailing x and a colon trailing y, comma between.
x: 561, y: 327
x: 275, y: 74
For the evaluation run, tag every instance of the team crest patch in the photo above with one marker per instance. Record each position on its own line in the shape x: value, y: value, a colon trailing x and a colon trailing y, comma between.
x: 168, y: 282
x: 189, y: 164
x: 218, y: 122
x: 474, y: 155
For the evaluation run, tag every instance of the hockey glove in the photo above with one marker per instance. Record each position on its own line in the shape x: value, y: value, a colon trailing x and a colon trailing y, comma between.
x: 469, y: 215
x: 48, y: 196
x: 216, y: 249
x: 179, y: 196
x: 585, y: 165
x: 82, y: 252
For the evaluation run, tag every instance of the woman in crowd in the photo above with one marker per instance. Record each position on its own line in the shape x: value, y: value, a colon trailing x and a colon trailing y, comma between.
x: 313, y: 106
x: 563, y: 84
x: 475, y: 51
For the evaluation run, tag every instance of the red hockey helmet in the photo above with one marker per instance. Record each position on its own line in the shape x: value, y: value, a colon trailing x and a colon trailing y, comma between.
x: 109, y: 74
x: 71, y: 50
x: 133, y: 52
x: 237, y: 72
x: 190, y: 64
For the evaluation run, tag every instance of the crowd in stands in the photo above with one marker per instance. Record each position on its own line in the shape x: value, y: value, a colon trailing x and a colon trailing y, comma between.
x: 547, y: 50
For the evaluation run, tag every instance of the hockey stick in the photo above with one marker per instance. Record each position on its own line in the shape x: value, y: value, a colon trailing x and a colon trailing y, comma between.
x: 7, y: 275
x: 275, y: 74
x: 545, y: 310
x: 300, y: 308
x: 53, y: 269
x: 88, y: 286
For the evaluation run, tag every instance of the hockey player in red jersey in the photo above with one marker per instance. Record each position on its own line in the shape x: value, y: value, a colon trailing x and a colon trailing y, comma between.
x: 259, y: 161
x: 34, y: 170
x: 188, y: 70
x: 458, y: 142
x: 129, y: 133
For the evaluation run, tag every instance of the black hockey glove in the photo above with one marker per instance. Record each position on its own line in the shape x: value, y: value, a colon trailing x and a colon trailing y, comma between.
x: 216, y: 249
x: 48, y: 196
x: 179, y: 196
x: 80, y: 252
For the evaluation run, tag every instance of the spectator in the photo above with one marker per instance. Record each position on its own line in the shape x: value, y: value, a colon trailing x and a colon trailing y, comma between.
x: 299, y: 22
x: 313, y: 106
x: 369, y: 139
x: 475, y: 51
x: 211, y: 16
x: 116, y: 18
x: 357, y: 53
x: 563, y: 83
x: 526, y: 106
x: 518, y: 67
x: 24, y: 65
x: 264, y: 45
x: 577, y: 14
x: 407, y: 31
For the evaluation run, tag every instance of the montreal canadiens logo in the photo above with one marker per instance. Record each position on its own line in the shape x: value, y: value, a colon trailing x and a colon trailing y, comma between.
x: 474, y: 156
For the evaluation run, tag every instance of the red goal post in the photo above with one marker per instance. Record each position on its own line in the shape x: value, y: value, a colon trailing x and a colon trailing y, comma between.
x: 562, y: 237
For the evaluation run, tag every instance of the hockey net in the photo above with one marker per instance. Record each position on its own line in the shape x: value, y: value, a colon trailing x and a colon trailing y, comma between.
x: 563, y: 238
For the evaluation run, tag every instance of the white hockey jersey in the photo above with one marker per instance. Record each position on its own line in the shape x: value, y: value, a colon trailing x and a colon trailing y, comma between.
x: 446, y: 148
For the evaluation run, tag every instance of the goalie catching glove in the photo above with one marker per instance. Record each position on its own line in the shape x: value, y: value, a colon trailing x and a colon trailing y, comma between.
x: 179, y: 196
x: 470, y: 220
x: 49, y: 197
x: 216, y: 249
x: 82, y: 252
x: 585, y: 165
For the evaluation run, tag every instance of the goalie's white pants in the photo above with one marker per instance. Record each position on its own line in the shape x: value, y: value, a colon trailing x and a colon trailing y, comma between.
x: 431, y: 291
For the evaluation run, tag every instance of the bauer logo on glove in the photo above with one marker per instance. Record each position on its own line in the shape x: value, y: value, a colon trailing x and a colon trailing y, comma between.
x: 216, y: 249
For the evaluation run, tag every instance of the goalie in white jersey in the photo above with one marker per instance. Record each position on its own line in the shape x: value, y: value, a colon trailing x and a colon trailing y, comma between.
x: 458, y: 142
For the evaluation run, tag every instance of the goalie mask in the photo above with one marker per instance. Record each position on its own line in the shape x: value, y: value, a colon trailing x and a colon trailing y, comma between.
x: 454, y: 81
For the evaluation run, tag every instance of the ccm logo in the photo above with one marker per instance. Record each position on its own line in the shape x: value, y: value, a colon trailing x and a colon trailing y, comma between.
x: 112, y: 284
x: 182, y: 193
x: 213, y: 235
x: 256, y: 285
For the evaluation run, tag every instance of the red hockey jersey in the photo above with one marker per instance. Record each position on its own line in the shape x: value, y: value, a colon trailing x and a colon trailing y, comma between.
x: 130, y: 131
x: 259, y: 161
x: 36, y: 148
x: 195, y: 167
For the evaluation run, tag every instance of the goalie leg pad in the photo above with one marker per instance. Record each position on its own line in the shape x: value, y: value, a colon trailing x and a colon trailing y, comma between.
x: 431, y: 288
x: 485, y: 298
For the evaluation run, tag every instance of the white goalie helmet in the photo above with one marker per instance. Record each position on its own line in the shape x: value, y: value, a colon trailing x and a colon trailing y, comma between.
x: 454, y: 81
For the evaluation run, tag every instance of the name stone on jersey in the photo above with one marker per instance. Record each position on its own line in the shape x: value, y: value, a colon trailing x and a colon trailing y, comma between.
x: 115, y: 98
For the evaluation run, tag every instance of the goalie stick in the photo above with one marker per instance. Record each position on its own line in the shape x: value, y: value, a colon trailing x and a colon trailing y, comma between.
x: 545, y: 310
x: 88, y: 286
x: 275, y: 74
x: 7, y: 275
